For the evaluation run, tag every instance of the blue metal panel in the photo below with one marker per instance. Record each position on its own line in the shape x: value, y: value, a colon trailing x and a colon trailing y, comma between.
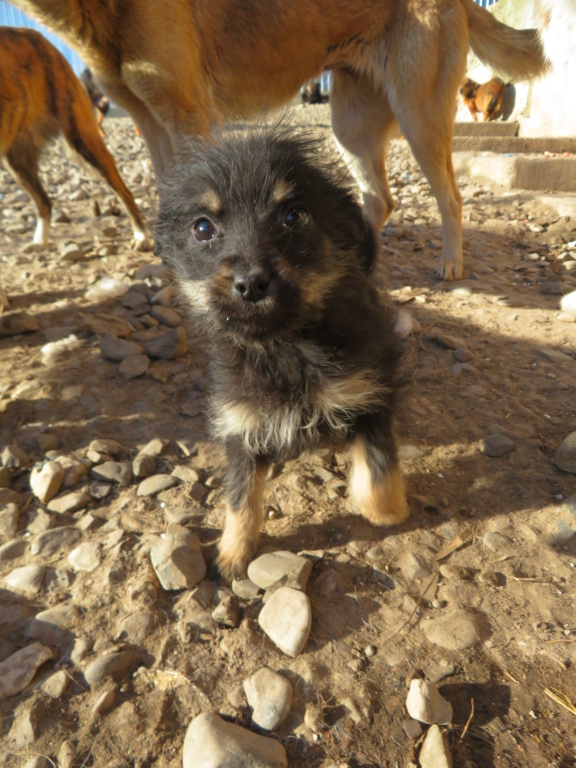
x: 13, y: 17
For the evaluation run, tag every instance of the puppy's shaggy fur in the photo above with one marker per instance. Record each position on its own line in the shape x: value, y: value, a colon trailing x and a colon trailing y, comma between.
x: 273, y: 254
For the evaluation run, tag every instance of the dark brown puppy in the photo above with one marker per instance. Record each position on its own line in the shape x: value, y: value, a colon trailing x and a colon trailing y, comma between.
x: 486, y: 98
x: 273, y: 254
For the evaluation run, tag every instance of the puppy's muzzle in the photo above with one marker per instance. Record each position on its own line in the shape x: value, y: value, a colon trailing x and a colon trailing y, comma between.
x: 253, y: 285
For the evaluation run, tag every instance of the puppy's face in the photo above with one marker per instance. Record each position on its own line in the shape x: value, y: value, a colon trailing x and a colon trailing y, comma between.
x: 260, y: 230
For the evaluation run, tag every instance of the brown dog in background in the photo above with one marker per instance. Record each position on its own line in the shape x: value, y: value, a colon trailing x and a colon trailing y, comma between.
x: 41, y: 97
x: 180, y: 67
x: 486, y: 98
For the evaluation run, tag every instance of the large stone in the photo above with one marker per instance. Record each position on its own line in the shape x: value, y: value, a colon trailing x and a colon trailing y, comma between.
x: 18, y: 670
x: 46, y: 481
x: 565, y: 458
x: 211, y: 742
x: 425, y: 704
x: 116, y: 350
x: 168, y: 346
x: 454, y: 631
x: 435, y: 752
x: 114, y: 471
x: 270, y: 696
x: 177, y: 559
x: 26, y: 580
x: 49, y: 542
x: 54, y: 626
x: 110, y: 666
x: 280, y: 567
x: 287, y: 619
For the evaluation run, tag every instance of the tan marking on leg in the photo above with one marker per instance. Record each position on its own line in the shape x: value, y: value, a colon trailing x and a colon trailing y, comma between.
x: 383, y: 503
x: 242, y: 530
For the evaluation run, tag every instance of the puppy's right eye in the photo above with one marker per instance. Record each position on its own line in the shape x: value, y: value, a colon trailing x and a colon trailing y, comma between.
x: 204, y: 230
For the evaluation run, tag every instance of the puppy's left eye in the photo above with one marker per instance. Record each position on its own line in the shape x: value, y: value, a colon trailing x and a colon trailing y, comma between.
x: 297, y: 218
x: 204, y: 230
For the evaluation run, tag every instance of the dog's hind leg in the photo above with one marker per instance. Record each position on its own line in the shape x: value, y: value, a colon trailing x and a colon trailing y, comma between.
x: 83, y: 136
x: 245, y: 511
x: 362, y: 122
x: 376, y: 482
x: 22, y: 162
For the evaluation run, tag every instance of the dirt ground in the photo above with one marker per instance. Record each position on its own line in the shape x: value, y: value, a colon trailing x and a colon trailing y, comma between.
x: 490, y: 357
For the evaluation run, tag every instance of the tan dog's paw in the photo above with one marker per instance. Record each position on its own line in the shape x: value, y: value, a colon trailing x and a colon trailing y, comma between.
x: 447, y: 270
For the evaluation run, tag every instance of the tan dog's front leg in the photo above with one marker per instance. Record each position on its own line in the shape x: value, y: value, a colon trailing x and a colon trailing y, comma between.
x: 244, y: 513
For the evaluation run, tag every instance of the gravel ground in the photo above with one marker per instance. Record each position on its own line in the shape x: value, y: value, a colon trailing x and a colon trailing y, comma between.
x: 110, y: 646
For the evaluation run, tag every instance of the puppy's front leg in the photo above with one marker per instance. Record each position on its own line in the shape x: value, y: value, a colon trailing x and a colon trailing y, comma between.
x: 245, y: 511
x: 376, y: 483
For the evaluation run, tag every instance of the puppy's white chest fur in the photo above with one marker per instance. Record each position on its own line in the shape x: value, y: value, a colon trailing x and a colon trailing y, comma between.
x: 268, y: 425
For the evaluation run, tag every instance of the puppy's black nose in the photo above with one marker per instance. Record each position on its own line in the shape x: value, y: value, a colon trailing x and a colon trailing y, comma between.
x: 252, y: 286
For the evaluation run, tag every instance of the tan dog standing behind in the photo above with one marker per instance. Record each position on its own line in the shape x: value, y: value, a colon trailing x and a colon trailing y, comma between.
x: 180, y: 67
x: 486, y: 98
x: 40, y: 97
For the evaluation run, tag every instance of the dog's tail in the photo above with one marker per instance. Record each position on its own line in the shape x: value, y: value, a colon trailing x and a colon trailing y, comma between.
x: 516, y: 52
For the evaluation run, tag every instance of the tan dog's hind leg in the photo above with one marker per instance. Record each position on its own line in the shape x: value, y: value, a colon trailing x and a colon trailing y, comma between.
x: 244, y: 518
x: 382, y: 499
x: 362, y: 122
x: 22, y: 162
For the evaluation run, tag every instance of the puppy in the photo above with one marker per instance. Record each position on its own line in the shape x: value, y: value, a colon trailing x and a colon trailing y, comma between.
x: 486, y: 98
x: 41, y: 97
x: 273, y: 254
x: 181, y: 67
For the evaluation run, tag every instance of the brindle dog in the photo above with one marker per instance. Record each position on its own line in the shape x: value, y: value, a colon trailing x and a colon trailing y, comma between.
x: 273, y: 255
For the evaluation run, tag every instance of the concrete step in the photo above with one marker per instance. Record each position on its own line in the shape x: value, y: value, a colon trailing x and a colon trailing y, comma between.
x: 530, y: 172
x: 495, y: 128
x: 514, y: 144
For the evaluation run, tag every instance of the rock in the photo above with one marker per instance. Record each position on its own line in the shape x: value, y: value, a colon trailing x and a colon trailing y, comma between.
x: 114, y: 472
x: 66, y: 754
x: 39, y: 762
x: 227, y: 611
x: 144, y: 466
x: 26, y: 580
x: 135, y: 300
x: 54, y: 626
x: 55, y: 686
x: 425, y: 704
x: 177, y: 560
x: 185, y: 474
x: 18, y: 670
x: 102, y: 324
x: 155, y: 447
x: 71, y: 251
x: 134, y: 366
x: 26, y: 726
x: 454, y: 631
x: 496, y: 445
x: 14, y: 457
x: 46, y: 481
x: 169, y: 346
x: 111, y: 665
x: 554, y: 355
x: 211, y: 742
x: 415, y: 566
x: 47, y: 442
x: 435, y: 752
x: 116, y: 350
x: 497, y: 543
x: 280, y: 568
x: 270, y: 696
x: 287, y: 619
x: 49, y: 542
x: 136, y: 627
x: 69, y: 503
x: 9, y: 517
x: 85, y: 557
x: 12, y: 549
x: 412, y: 728
x: 106, y: 700
x: 106, y: 445
x: 245, y: 589
x: 153, y: 485
x: 166, y: 316
x: 15, y: 324
x: 565, y: 458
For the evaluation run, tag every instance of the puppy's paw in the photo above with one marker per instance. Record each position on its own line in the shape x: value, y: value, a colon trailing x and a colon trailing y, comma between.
x: 233, y: 564
x: 448, y: 270
x: 382, y: 503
